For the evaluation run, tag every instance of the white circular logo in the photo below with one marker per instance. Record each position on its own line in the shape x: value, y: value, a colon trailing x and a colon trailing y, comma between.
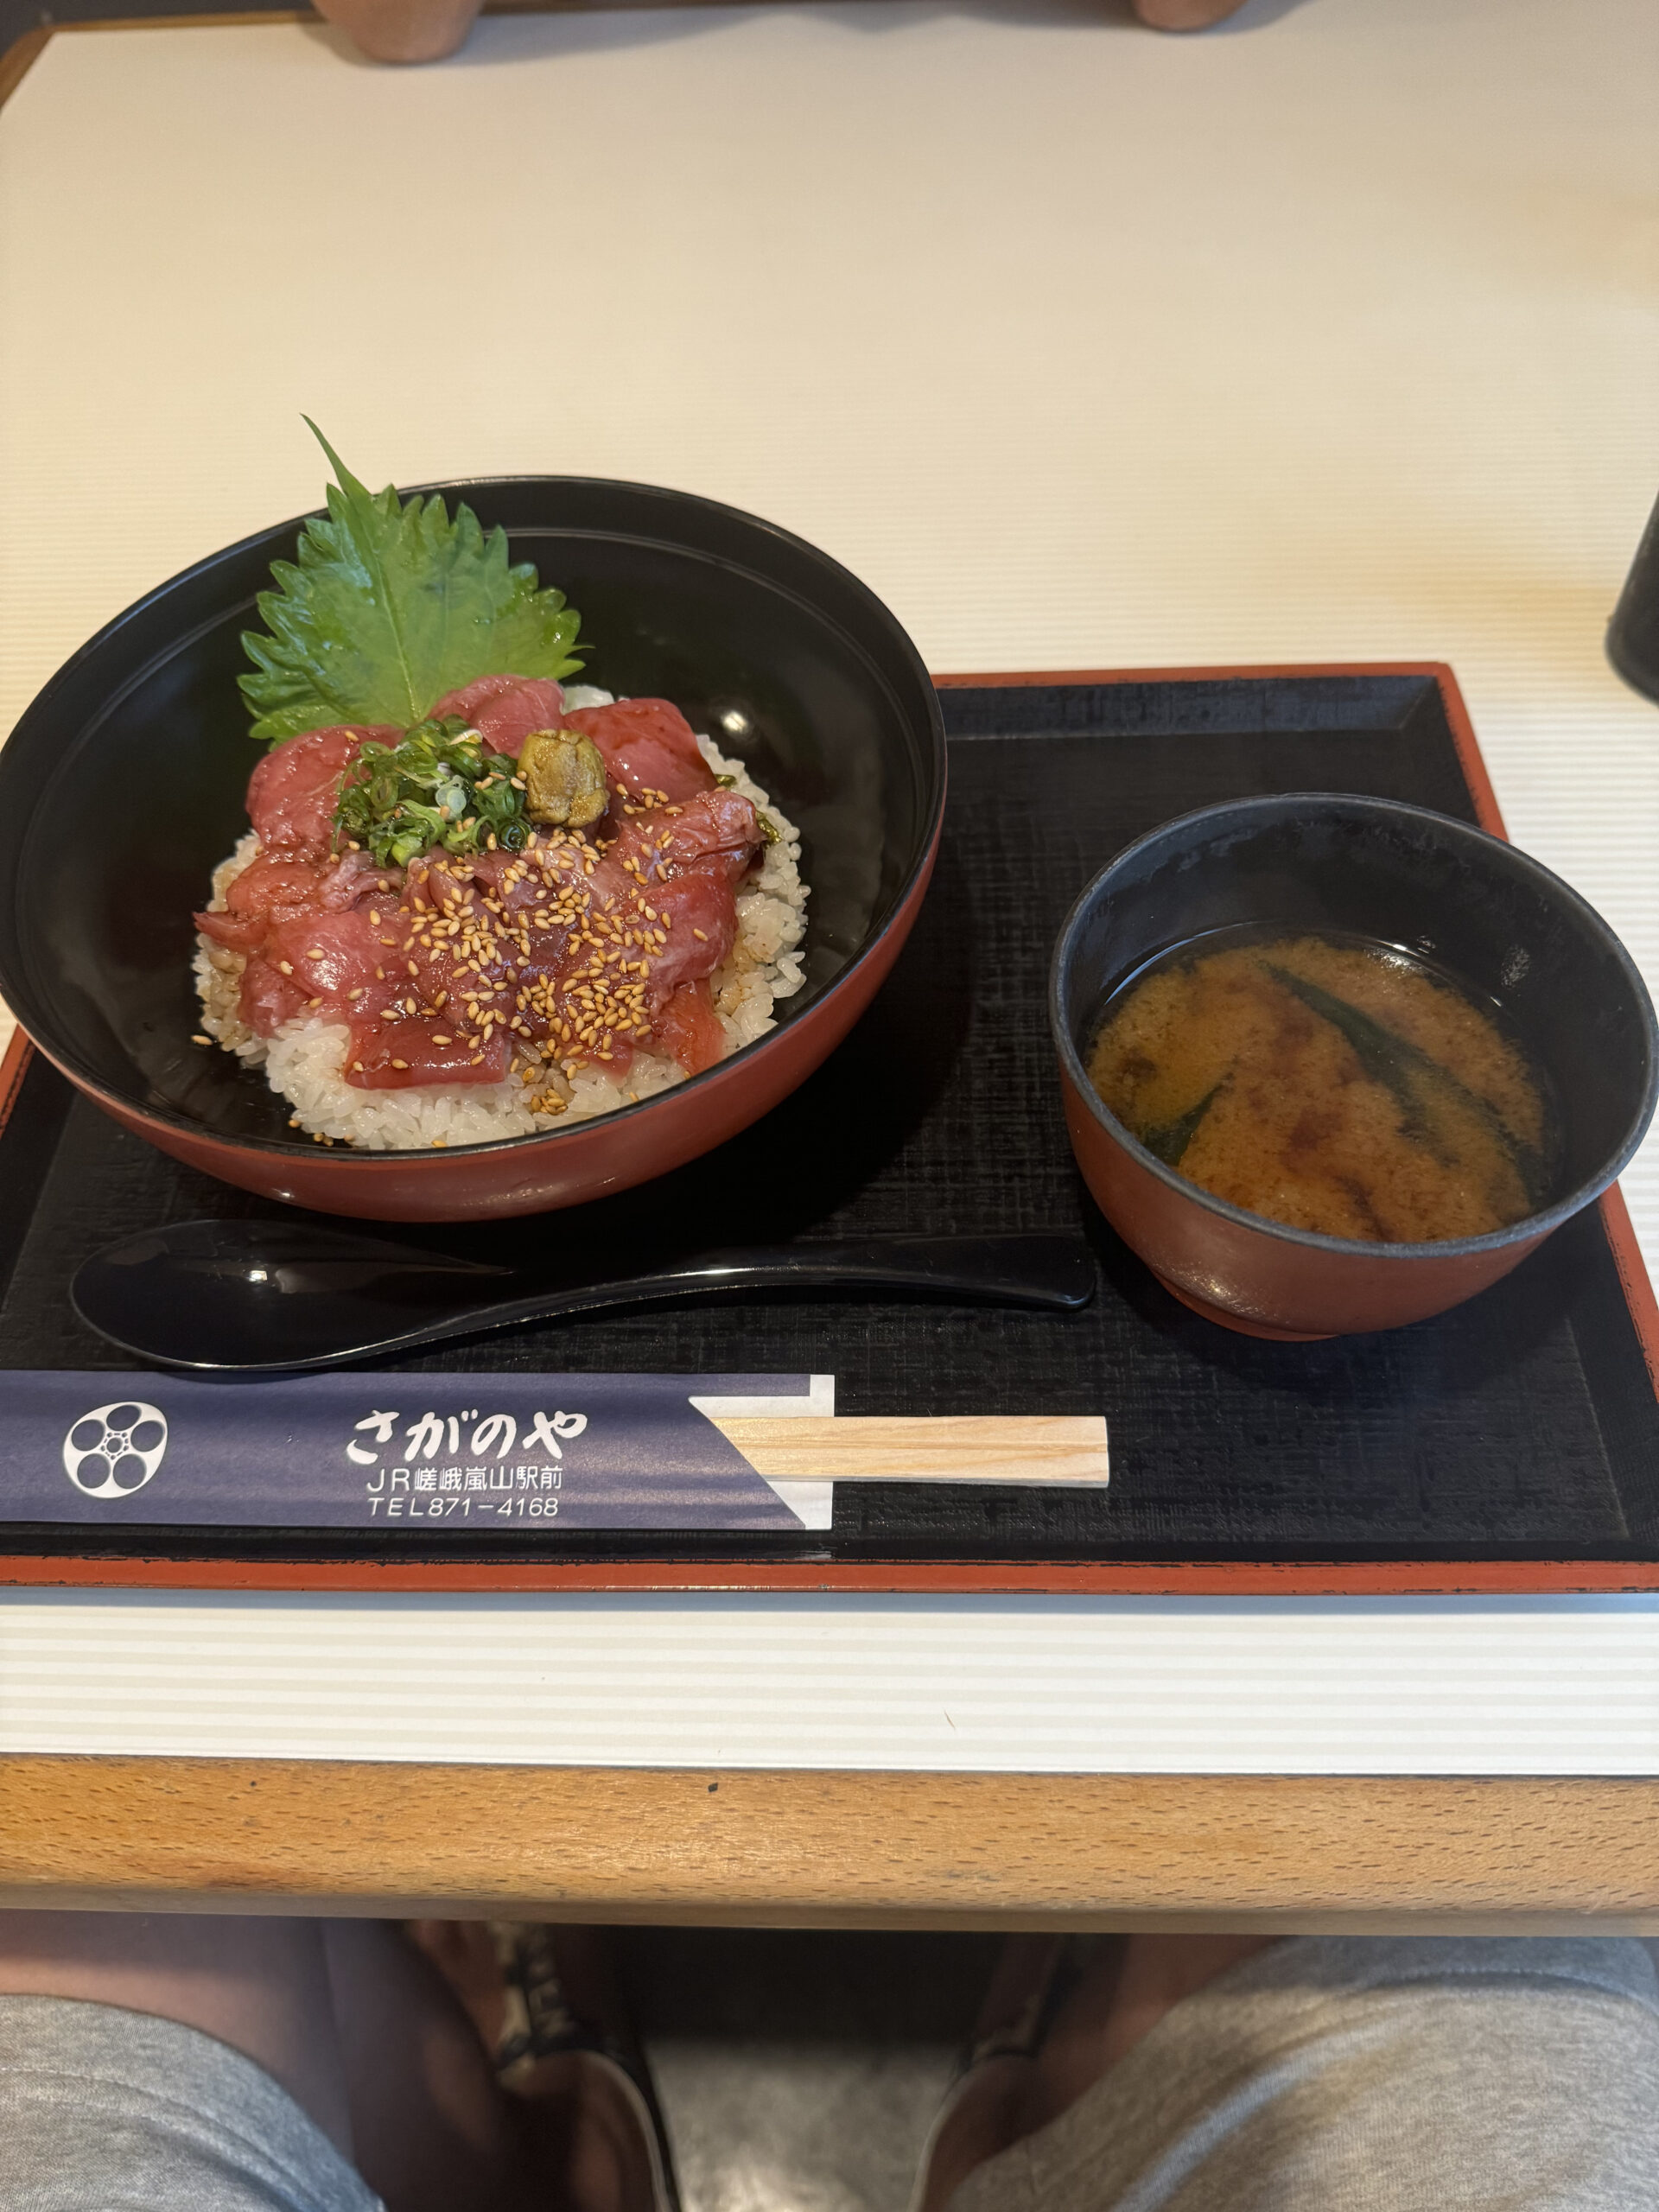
x: 114, y: 1449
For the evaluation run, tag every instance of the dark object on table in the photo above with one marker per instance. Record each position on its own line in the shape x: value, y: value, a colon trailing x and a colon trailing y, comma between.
x: 1399, y: 875
x: 1633, y: 633
x: 122, y: 788
x: 250, y: 1295
x: 1510, y: 1445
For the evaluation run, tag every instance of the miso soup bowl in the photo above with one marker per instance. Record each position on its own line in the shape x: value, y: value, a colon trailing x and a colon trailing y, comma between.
x: 1467, y: 901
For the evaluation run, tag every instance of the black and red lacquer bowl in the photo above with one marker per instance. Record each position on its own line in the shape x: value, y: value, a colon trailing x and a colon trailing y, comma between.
x: 123, y: 786
x: 1472, y: 904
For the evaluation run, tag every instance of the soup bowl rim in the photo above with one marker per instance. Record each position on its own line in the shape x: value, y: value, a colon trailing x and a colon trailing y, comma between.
x: 1531, y: 1227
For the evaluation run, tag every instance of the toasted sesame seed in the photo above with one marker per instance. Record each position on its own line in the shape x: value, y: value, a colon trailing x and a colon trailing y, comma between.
x: 400, y: 1063
x: 198, y: 1039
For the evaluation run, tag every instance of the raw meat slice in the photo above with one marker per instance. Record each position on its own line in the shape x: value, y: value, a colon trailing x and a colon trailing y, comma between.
x: 339, y: 963
x: 688, y: 1028
x: 268, y: 998
x: 291, y: 794
x: 402, y: 1055
x: 577, y: 950
x: 718, y: 832
x: 270, y: 887
x: 504, y: 709
x: 701, y: 917
x: 648, y: 746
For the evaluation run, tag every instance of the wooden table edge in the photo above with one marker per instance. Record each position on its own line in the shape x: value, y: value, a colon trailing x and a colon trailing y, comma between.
x: 1361, y: 1852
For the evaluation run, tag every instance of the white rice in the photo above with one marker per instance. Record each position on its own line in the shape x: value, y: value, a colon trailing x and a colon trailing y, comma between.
x: 305, y: 1061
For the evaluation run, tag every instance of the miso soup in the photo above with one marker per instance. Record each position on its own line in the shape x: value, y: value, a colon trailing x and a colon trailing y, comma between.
x: 1331, y: 1083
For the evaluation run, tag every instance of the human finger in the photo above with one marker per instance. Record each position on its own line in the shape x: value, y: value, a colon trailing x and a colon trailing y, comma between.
x: 403, y: 30
x: 1185, y: 15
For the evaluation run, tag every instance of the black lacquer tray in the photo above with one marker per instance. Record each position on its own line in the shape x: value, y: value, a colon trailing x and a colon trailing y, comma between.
x: 1512, y: 1444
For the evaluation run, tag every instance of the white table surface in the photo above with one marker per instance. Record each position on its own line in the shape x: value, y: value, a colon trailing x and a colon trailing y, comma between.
x: 1333, y: 334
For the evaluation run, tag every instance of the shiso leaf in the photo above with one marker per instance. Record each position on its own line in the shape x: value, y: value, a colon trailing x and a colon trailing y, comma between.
x: 389, y: 606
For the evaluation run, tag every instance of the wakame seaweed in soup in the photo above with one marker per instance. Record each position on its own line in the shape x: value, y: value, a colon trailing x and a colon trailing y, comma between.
x: 1331, y: 1083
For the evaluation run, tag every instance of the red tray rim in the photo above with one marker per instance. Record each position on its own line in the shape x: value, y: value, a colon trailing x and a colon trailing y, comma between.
x: 979, y: 1578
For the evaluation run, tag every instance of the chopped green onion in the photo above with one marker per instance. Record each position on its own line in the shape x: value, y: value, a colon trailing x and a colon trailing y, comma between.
x: 435, y: 790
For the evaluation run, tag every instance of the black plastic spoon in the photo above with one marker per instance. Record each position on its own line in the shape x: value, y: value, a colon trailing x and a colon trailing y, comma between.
x: 242, y: 1296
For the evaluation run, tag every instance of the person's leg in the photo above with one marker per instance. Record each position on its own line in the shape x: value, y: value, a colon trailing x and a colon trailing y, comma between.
x: 347, y: 2018
x: 260, y: 1984
x: 431, y: 2126
x: 1349, y: 2074
x: 1114, y: 2006
x: 434, y: 2129
x: 1130, y: 1982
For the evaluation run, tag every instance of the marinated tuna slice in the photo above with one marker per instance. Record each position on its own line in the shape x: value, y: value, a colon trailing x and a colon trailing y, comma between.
x: 556, y: 949
x: 269, y: 888
x: 550, y: 945
x: 276, y: 886
x: 401, y: 1055
x: 718, y: 832
x: 492, y: 944
x: 504, y: 709
x: 355, y: 880
x: 688, y: 1028
x: 563, y: 950
x: 292, y: 793
x: 267, y: 997
x: 647, y: 745
x: 339, y: 963
x: 699, y: 916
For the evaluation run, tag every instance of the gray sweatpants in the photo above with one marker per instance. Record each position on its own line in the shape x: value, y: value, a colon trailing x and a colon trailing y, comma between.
x: 1327, y: 2074
x: 103, y: 2110
x: 1350, y: 2074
